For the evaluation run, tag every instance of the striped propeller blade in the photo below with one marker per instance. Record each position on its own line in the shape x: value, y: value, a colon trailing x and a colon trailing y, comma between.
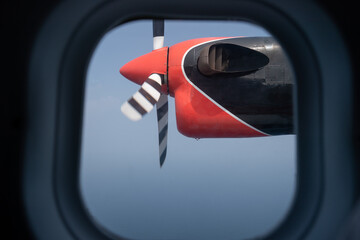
x: 143, y: 100
x: 162, y: 104
x: 162, y: 118
x: 158, y: 33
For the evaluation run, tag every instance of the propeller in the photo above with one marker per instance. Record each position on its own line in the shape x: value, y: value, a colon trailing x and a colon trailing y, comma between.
x: 150, y: 93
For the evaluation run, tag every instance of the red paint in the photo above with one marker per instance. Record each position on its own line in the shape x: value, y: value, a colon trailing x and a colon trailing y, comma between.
x: 198, y: 117
x: 139, y: 69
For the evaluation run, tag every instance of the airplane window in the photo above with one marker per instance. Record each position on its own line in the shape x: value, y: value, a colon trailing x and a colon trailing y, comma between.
x: 226, y: 170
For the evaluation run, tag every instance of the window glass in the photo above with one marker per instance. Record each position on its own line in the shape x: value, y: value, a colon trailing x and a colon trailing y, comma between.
x: 208, y: 188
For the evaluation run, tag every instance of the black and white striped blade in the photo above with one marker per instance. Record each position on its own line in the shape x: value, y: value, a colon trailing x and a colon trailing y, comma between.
x: 162, y: 118
x: 143, y: 100
x: 162, y: 105
x: 158, y: 33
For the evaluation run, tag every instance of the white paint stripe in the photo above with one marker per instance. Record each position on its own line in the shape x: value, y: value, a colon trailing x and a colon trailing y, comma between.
x: 156, y: 78
x: 158, y: 42
x: 130, y: 112
x: 152, y: 91
x: 163, y: 121
x: 212, y: 100
x: 143, y: 101
x: 162, y: 145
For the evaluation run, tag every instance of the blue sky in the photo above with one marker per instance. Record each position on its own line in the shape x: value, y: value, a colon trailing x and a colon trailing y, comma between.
x: 207, y: 188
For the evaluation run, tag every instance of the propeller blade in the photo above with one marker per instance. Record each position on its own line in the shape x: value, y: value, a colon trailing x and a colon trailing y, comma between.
x: 143, y: 100
x: 162, y: 105
x: 158, y: 33
x: 162, y: 117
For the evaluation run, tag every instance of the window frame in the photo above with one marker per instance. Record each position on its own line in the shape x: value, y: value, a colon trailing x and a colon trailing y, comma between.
x: 56, y: 96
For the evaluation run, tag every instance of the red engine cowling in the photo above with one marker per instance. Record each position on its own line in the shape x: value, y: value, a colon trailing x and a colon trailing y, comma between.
x: 197, y: 115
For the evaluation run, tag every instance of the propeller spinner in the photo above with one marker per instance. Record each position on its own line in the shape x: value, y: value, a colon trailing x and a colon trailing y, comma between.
x: 149, y: 71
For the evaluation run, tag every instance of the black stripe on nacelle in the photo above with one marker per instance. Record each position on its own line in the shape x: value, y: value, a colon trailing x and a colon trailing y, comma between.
x: 158, y: 27
x: 137, y: 106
